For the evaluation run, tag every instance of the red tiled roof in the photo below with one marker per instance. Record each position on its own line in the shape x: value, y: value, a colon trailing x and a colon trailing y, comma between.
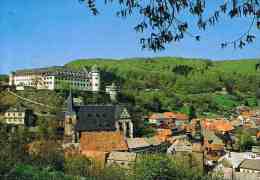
x: 180, y: 116
x: 219, y: 125
x: 102, y: 141
x: 258, y: 134
x: 169, y: 115
x: 156, y: 116
x: 163, y: 134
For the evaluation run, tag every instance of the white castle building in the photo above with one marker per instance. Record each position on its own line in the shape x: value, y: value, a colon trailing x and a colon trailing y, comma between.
x: 57, y: 77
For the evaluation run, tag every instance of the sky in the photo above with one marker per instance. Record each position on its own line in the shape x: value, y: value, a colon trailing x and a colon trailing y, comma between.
x: 37, y: 33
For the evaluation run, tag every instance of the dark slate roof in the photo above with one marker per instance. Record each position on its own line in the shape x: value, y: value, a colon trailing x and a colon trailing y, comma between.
x: 53, y: 70
x: 40, y: 70
x: 98, y: 117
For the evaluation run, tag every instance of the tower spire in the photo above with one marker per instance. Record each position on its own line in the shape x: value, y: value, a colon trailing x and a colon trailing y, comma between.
x: 70, y: 104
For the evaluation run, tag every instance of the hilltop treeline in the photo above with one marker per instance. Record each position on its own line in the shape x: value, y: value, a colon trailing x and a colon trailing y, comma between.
x: 178, y: 84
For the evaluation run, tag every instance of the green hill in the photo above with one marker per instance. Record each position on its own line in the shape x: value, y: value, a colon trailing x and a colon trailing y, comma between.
x: 169, y: 83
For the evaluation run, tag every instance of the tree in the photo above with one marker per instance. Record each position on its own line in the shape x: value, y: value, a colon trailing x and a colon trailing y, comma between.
x: 156, y: 167
x: 77, y: 165
x: 245, y: 140
x: 114, y: 172
x: 12, y: 151
x: 47, y: 154
x: 192, y: 112
x: 230, y: 86
x: 162, y: 19
x: 258, y: 93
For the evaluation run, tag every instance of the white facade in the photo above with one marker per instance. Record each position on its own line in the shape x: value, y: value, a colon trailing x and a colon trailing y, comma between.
x: 16, y: 118
x: 249, y: 170
x: 112, y: 90
x: 56, y: 78
x: 95, y: 77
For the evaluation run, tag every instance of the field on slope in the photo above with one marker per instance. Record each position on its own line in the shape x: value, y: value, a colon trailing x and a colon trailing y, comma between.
x: 167, y: 83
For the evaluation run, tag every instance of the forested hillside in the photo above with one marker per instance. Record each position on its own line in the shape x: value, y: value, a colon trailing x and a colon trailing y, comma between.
x: 167, y: 83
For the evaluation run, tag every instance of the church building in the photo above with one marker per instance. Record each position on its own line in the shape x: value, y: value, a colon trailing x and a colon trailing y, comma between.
x: 96, y: 118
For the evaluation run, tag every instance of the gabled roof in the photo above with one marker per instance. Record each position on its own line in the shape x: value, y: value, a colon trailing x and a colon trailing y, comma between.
x: 169, y: 115
x: 180, y: 116
x: 219, y: 125
x: 222, y: 125
x: 135, y: 143
x: 251, y: 164
x: 122, y: 156
x: 157, y: 116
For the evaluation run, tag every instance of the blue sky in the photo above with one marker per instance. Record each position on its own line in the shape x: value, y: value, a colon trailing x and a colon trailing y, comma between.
x: 37, y: 33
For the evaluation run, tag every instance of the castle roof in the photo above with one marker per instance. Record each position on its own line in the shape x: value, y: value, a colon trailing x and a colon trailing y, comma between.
x: 53, y: 70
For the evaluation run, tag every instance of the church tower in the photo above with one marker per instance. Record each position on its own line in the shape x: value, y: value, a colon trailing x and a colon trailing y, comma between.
x: 112, y: 90
x: 11, y: 79
x: 70, y: 119
x: 95, y: 78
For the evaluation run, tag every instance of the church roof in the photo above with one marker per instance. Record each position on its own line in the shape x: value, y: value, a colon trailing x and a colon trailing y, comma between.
x: 98, y: 117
